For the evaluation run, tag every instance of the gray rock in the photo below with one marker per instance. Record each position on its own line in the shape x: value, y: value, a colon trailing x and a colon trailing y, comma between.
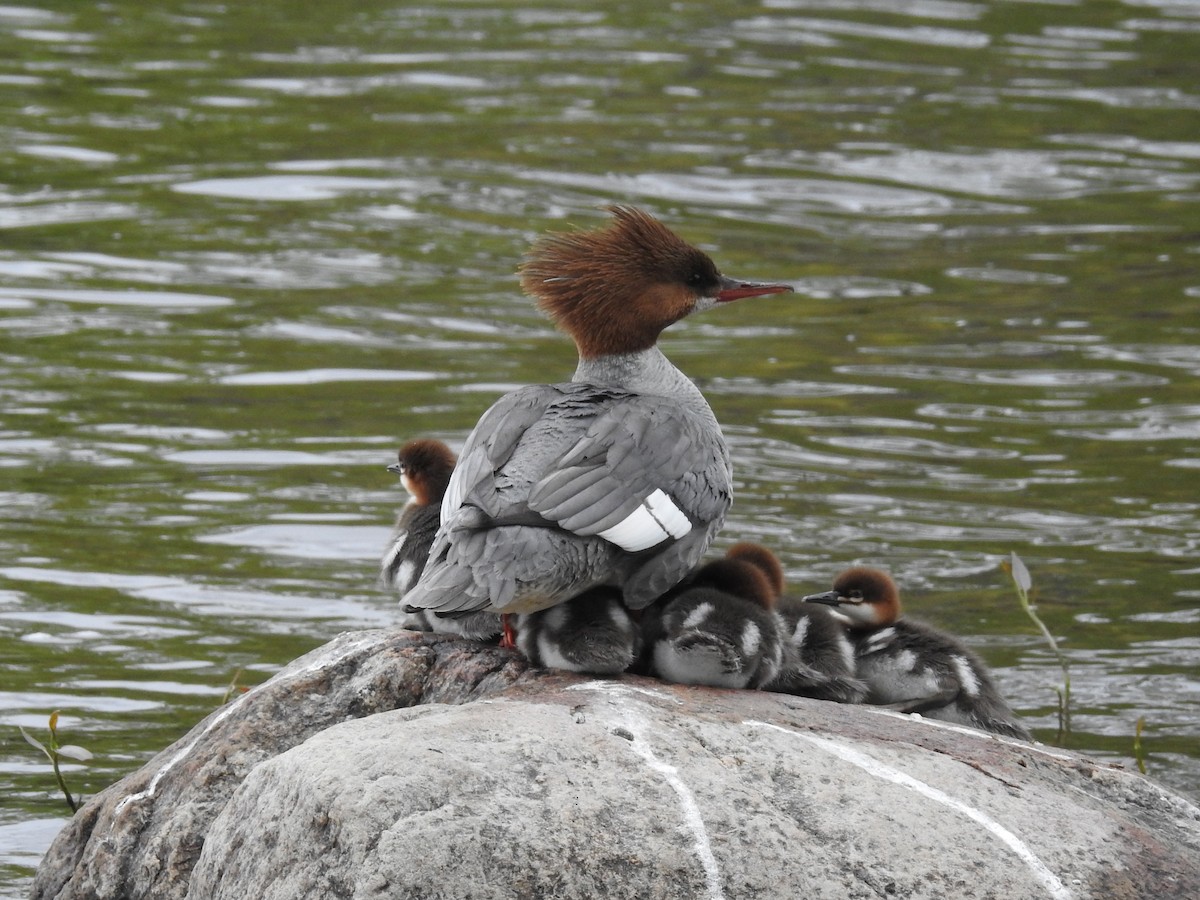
x: 397, y: 765
x: 140, y: 837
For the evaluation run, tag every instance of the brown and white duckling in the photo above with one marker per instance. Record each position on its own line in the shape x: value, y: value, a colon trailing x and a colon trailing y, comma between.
x: 913, y: 667
x: 424, y: 466
x: 718, y: 629
x: 590, y: 633
x: 818, y: 658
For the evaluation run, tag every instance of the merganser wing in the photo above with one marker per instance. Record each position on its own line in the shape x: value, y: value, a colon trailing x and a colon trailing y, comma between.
x: 636, y: 477
x: 563, y: 487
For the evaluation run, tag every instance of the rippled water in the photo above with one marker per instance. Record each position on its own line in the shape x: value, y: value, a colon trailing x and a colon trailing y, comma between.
x: 247, y: 251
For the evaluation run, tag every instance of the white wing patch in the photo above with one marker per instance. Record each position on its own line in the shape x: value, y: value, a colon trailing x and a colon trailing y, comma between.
x: 801, y: 631
x: 667, y: 514
x: 389, y: 557
x: 657, y: 519
x: 406, y: 576
x: 966, y: 675
x: 878, y: 640
x: 847, y: 652
x: 751, y: 639
x: 698, y: 615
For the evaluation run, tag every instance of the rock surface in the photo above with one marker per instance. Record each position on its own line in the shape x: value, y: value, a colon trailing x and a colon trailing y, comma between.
x: 391, y: 764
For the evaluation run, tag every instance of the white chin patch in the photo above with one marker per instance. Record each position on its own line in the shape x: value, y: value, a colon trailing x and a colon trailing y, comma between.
x: 657, y: 519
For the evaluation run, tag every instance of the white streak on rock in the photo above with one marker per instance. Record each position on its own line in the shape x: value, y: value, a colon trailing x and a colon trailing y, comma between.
x: 871, y: 766
x: 687, y: 802
x: 224, y: 714
x: 635, y: 724
x: 617, y: 689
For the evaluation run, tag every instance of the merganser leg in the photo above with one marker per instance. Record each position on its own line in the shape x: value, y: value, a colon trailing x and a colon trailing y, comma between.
x: 508, y: 634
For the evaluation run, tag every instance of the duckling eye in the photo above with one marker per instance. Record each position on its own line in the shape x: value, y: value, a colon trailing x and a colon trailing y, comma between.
x: 695, y: 279
x: 856, y: 595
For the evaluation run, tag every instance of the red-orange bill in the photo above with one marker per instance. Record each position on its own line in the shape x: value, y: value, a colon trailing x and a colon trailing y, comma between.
x: 736, y: 290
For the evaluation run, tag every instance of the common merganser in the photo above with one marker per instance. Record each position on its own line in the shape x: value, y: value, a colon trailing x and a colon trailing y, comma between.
x: 590, y: 633
x: 619, y: 477
x: 913, y: 667
x: 718, y: 628
x: 818, y: 659
x: 424, y: 466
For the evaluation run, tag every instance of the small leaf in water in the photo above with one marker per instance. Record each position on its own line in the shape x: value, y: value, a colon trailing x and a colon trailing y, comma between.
x: 73, y: 751
x: 1020, y: 574
x: 35, y: 742
x: 53, y: 721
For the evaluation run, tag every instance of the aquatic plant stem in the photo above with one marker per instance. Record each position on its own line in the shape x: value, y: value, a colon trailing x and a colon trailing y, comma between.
x: 55, y: 752
x: 1138, y: 752
x: 1023, y: 581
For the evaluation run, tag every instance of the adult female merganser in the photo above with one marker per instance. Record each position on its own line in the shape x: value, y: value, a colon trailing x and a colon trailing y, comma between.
x: 718, y: 629
x: 818, y: 659
x: 424, y: 466
x: 910, y: 666
x: 590, y: 633
x: 619, y: 477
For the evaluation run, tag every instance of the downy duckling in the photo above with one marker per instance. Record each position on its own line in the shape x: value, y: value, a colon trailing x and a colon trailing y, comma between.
x: 424, y: 466
x: 818, y: 658
x: 912, y: 667
x: 717, y: 629
x: 590, y: 633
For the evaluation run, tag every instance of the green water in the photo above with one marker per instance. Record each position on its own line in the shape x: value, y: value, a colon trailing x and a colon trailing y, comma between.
x: 247, y: 249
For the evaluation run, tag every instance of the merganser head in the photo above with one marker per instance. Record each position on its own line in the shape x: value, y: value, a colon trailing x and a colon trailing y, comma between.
x: 865, y: 598
x: 764, y: 559
x: 424, y: 467
x: 737, y: 577
x: 615, y: 289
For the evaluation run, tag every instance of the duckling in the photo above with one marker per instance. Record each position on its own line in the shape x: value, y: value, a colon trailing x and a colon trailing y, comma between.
x: 424, y: 466
x: 818, y: 659
x: 590, y: 633
x: 717, y: 629
x: 913, y: 667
